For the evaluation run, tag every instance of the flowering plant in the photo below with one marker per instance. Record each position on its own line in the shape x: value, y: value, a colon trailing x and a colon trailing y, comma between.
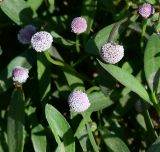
x: 79, y: 76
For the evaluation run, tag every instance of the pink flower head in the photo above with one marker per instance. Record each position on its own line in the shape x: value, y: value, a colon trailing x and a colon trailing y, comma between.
x: 146, y: 10
x: 78, y: 101
x: 41, y: 41
x: 25, y: 34
x: 78, y: 25
x: 20, y: 74
x: 112, y: 53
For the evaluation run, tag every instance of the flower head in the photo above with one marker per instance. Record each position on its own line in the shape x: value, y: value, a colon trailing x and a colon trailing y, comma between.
x: 146, y: 10
x: 112, y: 53
x: 78, y: 101
x: 41, y: 41
x: 25, y: 34
x: 78, y: 25
x: 20, y: 74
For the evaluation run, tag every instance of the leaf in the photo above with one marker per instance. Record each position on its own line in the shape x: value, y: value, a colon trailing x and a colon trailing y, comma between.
x: 74, y: 82
x: 15, y: 123
x: 127, y: 80
x: 39, y: 139
x: 113, y: 143
x: 60, y: 127
x: 60, y: 40
x: 34, y: 4
x: 155, y: 146
x: 152, y: 63
x: 43, y: 70
x: 88, y: 12
x: 95, y: 43
x: 98, y: 101
x: 17, y: 10
x: 3, y: 142
x: 26, y: 59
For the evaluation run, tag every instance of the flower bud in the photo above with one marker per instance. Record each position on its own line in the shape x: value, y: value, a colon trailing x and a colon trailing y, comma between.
x: 25, y: 34
x: 146, y: 10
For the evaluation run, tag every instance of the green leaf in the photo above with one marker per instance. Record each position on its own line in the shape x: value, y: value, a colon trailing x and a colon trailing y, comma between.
x: 98, y: 101
x: 43, y: 70
x: 34, y: 4
x: 113, y: 143
x: 3, y: 141
x: 82, y: 136
x: 95, y: 43
x: 17, y: 10
x: 88, y: 12
x: 74, y: 82
x: 127, y: 80
x: 60, y: 127
x: 26, y: 59
x: 155, y: 146
x: 39, y: 139
x: 152, y: 63
x: 60, y: 40
x: 15, y: 123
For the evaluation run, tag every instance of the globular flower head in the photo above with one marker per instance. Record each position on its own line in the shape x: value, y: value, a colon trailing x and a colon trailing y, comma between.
x: 112, y: 53
x: 78, y: 101
x: 41, y: 41
x: 78, y: 25
x: 20, y: 75
x: 25, y: 34
x: 146, y: 10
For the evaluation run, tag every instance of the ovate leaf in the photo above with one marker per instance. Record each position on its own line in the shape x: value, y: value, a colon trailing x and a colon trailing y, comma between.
x: 98, y: 101
x: 39, y: 139
x: 60, y: 127
x: 113, y: 143
x: 17, y: 10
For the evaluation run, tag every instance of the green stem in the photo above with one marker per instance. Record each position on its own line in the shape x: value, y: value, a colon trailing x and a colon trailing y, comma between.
x: 143, y: 33
x: 153, y: 135
x: 66, y: 67
x: 77, y: 44
x: 91, y: 138
x: 156, y: 103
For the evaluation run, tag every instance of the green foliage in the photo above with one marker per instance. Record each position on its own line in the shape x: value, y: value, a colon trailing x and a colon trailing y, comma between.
x: 125, y: 103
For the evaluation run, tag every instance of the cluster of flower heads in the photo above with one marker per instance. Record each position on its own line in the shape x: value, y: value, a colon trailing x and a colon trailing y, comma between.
x: 41, y: 41
x: 146, y: 10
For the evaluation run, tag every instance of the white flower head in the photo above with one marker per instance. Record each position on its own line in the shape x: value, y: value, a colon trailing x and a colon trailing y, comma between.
x: 41, y: 41
x: 112, y: 53
x: 78, y: 101
x: 20, y: 74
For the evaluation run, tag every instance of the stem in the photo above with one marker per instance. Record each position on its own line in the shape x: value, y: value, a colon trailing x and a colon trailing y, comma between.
x: 77, y: 44
x: 91, y: 138
x: 150, y: 128
x: 66, y: 67
x: 143, y: 33
x: 156, y: 104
